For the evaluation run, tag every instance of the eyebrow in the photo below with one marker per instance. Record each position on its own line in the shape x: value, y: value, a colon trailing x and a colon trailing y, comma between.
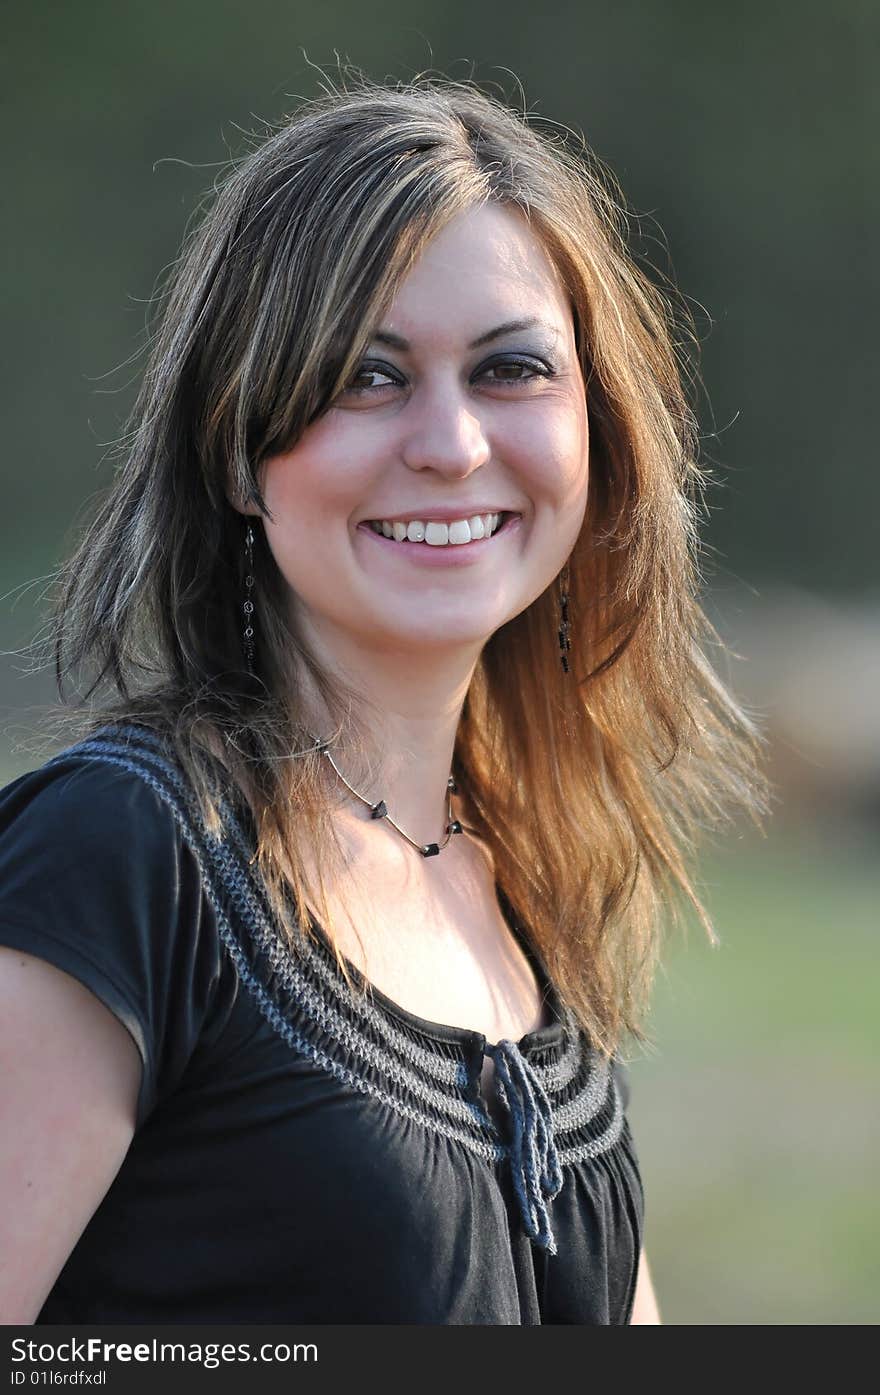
x: 396, y: 341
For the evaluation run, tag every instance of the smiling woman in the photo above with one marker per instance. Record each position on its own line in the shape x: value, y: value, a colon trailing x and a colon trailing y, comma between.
x: 324, y: 937
x: 440, y: 440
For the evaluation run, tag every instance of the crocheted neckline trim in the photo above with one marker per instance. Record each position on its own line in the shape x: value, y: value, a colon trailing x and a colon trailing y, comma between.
x: 424, y: 1071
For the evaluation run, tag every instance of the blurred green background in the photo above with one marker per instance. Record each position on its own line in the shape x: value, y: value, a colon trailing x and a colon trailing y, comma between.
x: 744, y: 137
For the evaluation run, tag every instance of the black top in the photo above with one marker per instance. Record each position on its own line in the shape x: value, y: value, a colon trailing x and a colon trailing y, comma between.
x: 302, y: 1155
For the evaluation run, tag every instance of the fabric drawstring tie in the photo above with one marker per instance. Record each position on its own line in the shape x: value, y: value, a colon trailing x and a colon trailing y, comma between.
x: 534, y: 1161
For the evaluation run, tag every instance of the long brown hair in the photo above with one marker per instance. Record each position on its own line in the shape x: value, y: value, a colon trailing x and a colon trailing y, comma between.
x: 590, y: 790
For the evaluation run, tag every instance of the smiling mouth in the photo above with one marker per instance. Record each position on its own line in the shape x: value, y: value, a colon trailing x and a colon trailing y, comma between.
x: 434, y: 534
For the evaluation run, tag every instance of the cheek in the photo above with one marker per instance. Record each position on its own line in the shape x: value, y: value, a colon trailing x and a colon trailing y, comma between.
x: 553, y: 450
x: 304, y: 498
x: 322, y: 478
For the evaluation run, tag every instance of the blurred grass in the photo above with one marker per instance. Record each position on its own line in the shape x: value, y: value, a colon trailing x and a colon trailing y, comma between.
x: 755, y: 1113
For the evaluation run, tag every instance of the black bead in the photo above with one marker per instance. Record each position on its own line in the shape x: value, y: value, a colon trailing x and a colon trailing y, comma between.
x: 378, y: 811
x: 452, y: 786
x: 454, y: 827
x: 430, y: 850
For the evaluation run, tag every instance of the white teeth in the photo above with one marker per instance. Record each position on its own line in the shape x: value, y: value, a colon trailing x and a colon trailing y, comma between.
x: 459, y: 531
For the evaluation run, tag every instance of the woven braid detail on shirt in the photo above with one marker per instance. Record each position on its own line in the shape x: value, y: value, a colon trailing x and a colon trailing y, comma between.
x: 306, y: 1000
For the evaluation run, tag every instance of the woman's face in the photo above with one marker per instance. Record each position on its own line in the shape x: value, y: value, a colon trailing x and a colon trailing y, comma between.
x: 470, y: 401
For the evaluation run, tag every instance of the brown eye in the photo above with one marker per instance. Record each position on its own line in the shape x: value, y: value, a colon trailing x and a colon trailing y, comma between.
x: 511, y: 372
x: 361, y: 383
x: 516, y: 370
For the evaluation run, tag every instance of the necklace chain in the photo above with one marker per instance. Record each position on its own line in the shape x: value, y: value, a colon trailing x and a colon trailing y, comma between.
x: 379, y: 810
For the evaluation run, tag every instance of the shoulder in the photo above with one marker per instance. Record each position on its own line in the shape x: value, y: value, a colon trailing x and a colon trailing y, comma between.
x: 98, y: 877
x: 72, y: 782
x: 119, y: 778
x: 86, y: 802
x: 111, y: 821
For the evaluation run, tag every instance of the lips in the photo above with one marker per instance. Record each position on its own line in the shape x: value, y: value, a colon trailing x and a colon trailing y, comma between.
x: 434, y: 533
x: 444, y: 554
x: 436, y: 514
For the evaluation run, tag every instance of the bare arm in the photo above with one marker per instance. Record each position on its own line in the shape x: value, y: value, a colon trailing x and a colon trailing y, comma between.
x: 69, y: 1080
x: 645, y: 1308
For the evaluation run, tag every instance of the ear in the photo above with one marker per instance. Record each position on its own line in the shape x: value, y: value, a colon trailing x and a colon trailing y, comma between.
x: 246, y: 510
x: 246, y: 507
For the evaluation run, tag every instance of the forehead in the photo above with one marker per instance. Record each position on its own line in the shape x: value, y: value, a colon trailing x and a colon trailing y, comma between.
x: 483, y: 268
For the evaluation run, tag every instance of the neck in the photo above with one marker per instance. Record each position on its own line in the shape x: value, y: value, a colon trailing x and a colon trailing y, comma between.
x: 413, y: 706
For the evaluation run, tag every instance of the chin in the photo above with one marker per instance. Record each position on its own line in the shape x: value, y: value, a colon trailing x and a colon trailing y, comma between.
x: 426, y: 639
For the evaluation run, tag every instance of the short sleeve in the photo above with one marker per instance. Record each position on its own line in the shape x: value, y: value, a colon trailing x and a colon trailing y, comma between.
x: 96, y: 879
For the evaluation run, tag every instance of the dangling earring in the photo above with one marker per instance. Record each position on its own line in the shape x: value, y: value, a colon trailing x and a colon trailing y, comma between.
x: 248, y: 606
x: 564, y: 631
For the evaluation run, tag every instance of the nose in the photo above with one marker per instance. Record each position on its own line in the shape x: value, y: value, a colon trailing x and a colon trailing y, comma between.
x: 443, y: 433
